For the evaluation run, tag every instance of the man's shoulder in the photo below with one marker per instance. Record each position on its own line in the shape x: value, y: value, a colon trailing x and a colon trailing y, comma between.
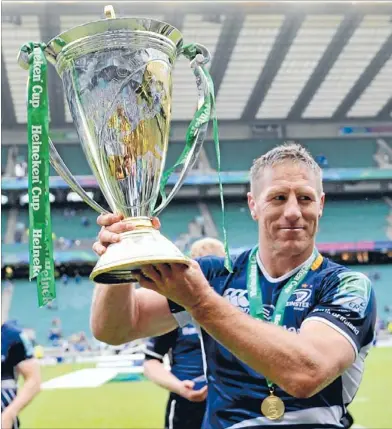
x: 346, y: 287
x: 331, y: 272
x: 214, y: 266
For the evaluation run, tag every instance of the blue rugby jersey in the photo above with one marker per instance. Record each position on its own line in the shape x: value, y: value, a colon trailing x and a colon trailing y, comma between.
x: 184, y: 349
x: 330, y: 293
x: 15, y: 348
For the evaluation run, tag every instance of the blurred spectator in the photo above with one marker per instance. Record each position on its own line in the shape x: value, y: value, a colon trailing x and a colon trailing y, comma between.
x: 55, y: 333
x: 80, y: 342
x: 19, y: 171
x: 8, y: 285
x: 64, y: 279
x: 85, y: 221
x: 322, y: 161
x: 9, y: 272
x: 51, y: 305
x: 16, y: 359
x: 19, y: 233
x: 78, y: 278
x: 207, y: 246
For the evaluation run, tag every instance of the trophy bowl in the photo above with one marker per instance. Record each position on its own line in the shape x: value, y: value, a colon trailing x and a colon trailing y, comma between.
x: 117, y: 78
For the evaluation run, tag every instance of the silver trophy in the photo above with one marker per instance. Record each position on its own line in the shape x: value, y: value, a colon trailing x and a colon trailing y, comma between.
x: 117, y: 77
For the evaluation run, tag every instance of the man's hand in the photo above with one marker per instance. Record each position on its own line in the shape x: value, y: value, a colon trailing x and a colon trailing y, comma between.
x: 7, y: 419
x: 187, y: 392
x: 184, y: 285
x: 112, y: 225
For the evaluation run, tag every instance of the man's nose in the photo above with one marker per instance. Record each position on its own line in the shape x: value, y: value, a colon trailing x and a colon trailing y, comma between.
x: 292, y: 210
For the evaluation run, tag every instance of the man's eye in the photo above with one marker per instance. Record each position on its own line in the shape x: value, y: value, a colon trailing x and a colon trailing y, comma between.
x: 279, y: 197
x: 305, y: 198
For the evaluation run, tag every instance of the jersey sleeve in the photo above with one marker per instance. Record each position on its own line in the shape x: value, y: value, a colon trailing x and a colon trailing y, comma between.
x: 211, y: 266
x: 21, y: 349
x: 347, y: 304
x: 157, y: 347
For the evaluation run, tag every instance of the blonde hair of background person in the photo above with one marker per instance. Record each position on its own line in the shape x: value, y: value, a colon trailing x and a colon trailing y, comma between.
x: 207, y: 246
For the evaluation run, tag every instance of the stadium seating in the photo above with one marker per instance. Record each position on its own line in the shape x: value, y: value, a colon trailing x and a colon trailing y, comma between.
x: 176, y: 217
x: 340, y: 153
x: 380, y: 275
x: 71, y: 226
x: 242, y: 231
x: 360, y: 220
x: 73, y: 308
x: 73, y: 156
x: 4, y: 157
x: 4, y: 215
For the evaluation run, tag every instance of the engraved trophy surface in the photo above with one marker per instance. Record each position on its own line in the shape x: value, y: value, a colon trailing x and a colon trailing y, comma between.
x: 117, y: 78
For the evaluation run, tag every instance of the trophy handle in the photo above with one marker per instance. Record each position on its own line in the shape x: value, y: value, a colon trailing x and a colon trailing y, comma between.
x: 201, y: 58
x: 59, y: 165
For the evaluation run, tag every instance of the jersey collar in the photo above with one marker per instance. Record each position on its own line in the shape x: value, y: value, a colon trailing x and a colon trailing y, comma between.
x: 281, y: 278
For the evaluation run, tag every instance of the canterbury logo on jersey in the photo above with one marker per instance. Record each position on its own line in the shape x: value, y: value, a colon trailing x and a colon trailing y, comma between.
x: 238, y: 298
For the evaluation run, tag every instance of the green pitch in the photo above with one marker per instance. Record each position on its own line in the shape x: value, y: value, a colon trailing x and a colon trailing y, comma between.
x: 140, y: 404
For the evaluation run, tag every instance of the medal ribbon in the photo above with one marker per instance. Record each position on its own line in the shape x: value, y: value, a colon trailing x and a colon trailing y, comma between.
x: 203, y: 115
x: 40, y: 228
x: 255, y: 295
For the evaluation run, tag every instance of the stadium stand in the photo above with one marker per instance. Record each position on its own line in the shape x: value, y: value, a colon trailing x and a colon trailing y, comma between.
x: 4, y: 215
x: 358, y: 220
x: 339, y: 153
x: 381, y: 276
x: 72, y: 308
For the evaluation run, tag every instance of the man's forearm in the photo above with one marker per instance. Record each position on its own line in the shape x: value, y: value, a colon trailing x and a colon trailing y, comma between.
x: 157, y: 373
x: 113, y: 312
x: 27, y: 392
x: 270, y: 350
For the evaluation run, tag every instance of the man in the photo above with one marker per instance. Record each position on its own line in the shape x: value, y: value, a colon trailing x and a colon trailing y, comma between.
x: 16, y: 358
x: 305, y: 367
x: 185, y: 381
x: 207, y: 246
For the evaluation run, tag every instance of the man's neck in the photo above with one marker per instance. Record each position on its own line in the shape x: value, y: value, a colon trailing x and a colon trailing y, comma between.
x: 278, y: 264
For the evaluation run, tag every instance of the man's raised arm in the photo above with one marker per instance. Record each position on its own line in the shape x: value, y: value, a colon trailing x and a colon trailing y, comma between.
x: 121, y: 313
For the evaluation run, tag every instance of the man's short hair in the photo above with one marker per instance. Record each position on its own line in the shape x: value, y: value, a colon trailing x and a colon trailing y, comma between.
x: 207, y: 247
x: 286, y: 152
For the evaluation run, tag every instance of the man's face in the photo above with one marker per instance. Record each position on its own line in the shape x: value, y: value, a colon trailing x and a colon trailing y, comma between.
x: 287, y: 207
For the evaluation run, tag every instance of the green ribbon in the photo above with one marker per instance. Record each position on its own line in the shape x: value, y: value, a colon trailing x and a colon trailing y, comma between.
x: 203, y: 115
x: 40, y: 231
x: 255, y: 295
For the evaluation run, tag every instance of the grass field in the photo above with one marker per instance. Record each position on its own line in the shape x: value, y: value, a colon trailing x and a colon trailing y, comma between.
x: 140, y: 405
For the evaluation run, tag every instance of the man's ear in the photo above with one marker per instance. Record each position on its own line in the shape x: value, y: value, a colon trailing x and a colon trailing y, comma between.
x: 252, y: 206
x: 322, y: 202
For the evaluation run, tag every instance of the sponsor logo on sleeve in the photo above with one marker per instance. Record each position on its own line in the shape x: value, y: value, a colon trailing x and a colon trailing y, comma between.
x: 353, y: 292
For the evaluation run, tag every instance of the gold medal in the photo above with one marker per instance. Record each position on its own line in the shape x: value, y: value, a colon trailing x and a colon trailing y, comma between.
x: 272, y: 407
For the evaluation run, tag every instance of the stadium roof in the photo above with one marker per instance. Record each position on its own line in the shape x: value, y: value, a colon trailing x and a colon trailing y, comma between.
x: 277, y: 62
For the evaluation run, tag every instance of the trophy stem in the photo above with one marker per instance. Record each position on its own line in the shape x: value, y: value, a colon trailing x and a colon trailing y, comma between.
x: 144, y: 245
x: 139, y: 221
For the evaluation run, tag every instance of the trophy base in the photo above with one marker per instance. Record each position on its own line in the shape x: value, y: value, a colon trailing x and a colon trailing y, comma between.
x: 143, y: 246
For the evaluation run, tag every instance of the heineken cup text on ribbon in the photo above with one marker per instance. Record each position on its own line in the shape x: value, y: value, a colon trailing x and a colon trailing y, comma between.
x: 40, y: 231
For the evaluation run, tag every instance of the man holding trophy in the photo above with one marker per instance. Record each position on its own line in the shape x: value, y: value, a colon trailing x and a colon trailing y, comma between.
x: 290, y: 351
x: 284, y: 330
